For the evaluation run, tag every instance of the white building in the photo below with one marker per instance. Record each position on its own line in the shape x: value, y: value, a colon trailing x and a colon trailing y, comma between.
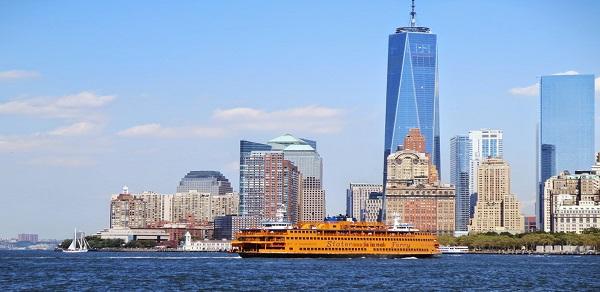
x: 205, y: 245
x: 484, y: 143
x: 127, y: 234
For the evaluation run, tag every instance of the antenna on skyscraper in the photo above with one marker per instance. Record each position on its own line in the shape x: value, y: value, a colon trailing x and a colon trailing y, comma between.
x: 413, y: 20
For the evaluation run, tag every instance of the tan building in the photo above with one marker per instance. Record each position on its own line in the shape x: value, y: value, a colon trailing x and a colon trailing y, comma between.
x: 358, y: 202
x: 497, y: 209
x: 311, y: 205
x: 150, y: 209
x: 410, y: 196
x: 572, y: 202
x: 126, y: 210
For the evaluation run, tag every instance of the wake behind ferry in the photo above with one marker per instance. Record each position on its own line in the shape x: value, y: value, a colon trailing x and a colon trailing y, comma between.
x: 343, y: 239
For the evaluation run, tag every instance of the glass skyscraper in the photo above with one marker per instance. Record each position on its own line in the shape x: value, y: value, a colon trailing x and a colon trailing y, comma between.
x: 412, y: 89
x: 459, y: 177
x: 566, y: 128
x: 212, y: 182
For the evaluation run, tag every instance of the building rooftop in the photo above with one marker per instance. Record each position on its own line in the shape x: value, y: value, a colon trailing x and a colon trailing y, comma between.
x: 299, y: 148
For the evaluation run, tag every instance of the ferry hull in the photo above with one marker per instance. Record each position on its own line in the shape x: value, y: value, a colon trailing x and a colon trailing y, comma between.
x: 339, y: 256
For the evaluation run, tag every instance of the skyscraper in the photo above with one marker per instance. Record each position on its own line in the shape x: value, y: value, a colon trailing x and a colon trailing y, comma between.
x: 483, y: 144
x: 566, y: 129
x: 211, y: 182
x: 412, y: 89
x: 497, y: 209
x: 306, y: 199
x: 459, y: 177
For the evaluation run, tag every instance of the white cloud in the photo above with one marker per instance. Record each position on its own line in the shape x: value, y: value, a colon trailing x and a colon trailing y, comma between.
x: 84, y: 99
x: 76, y: 129
x: 158, y: 131
x: 597, y: 87
x: 23, y: 143
x: 62, y: 161
x: 531, y: 90
x: 17, y: 74
x: 308, y: 119
x: 570, y: 72
x: 63, y: 107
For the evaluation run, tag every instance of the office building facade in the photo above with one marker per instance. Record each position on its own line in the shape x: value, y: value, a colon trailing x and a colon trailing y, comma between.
x: 459, y: 177
x: 411, y: 198
x: 305, y: 196
x: 497, y: 209
x: 412, y: 90
x: 358, y: 205
x: 572, y: 201
x: 211, y: 182
x: 566, y: 129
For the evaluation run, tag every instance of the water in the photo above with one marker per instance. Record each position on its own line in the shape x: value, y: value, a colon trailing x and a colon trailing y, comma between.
x: 49, y: 270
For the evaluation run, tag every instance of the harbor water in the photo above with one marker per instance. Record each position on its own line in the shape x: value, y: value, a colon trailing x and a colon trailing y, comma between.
x: 47, y: 270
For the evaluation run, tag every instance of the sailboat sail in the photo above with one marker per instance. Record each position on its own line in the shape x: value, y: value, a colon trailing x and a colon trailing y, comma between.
x: 73, y: 245
x: 79, y: 244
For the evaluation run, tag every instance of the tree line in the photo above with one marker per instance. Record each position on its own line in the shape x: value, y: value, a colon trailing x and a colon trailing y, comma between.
x: 506, y: 241
x: 95, y: 242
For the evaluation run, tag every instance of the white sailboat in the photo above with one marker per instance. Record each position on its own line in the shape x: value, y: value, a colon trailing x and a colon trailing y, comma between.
x: 78, y: 244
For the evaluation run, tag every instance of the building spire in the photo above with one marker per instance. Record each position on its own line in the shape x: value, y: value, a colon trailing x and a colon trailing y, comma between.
x: 413, y: 14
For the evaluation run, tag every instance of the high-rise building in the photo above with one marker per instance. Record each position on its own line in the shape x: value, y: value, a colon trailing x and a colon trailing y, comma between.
x: 271, y: 185
x: 410, y: 197
x: 306, y: 202
x: 497, y: 209
x: 566, y: 129
x: 459, y: 177
x: 358, y: 204
x: 572, y: 202
x: 33, y: 238
x: 412, y: 89
x: 483, y: 144
x: 150, y: 209
x: 211, y: 182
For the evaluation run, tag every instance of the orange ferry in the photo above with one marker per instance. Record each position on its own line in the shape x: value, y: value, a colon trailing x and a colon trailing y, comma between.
x: 342, y: 239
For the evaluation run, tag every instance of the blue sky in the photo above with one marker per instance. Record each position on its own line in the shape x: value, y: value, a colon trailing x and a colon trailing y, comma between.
x: 94, y: 96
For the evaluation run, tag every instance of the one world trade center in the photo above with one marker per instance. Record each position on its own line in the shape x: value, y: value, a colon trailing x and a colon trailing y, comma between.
x: 412, y: 89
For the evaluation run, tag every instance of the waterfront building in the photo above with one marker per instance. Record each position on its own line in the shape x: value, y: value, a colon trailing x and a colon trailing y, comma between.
x: 410, y: 197
x: 357, y: 196
x: 483, y: 144
x: 191, y: 206
x: 129, y: 234
x: 459, y: 177
x: 497, y: 209
x: 299, y: 192
x: 303, y: 154
x: 530, y: 224
x: 127, y: 211
x: 211, y: 182
x: 572, y: 202
x: 205, y: 244
x: 227, y: 227
x: 412, y: 89
x: 566, y: 129
x: 150, y: 209
x: 271, y: 186
x: 415, y: 141
x: 596, y: 166
x: 33, y: 238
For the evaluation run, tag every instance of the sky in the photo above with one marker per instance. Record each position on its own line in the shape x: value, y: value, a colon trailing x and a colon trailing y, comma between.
x: 95, y: 96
